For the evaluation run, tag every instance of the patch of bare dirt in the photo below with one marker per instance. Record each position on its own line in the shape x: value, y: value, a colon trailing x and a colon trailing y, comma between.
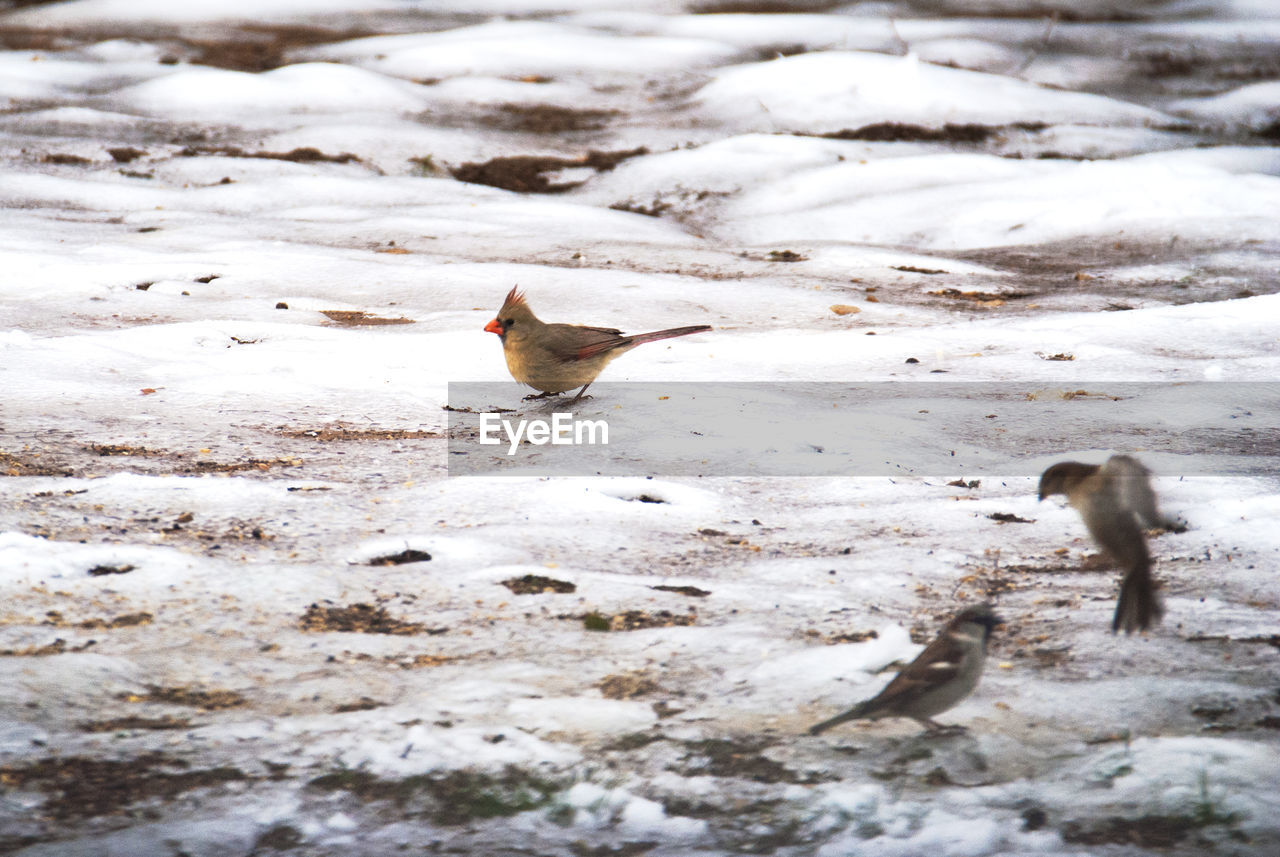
x: 984, y: 299
x: 256, y: 48
x: 80, y: 787
x: 360, y: 318
x: 762, y: 7
x: 534, y: 584
x: 65, y: 160
x: 404, y: 661
x: 786, y: 256
x: 1009, y: 518
x: 1043, y: 569
x: 331, y: 433
x: 111, y: 449
x: 238, y: 466
x: 57, y: 647
x: 356, y: 618
x: 1069, y: 270
x: 14, y: 465
x: 526, y: 173
x: 29, y: 39
x: 737, y: 758
x: 453, y: 798
x: 548, y: 118
x: 124, y: 620
x: 122, y: 724
x: 404, y: 557
x: 364, y: 703
x: 125, y: 154
x: 691, y: 591
x: 194, y: 697
x: 251, y: 47
x: 103, y: 570
x: 1148, y: 831
x: 633, y: 620
x: 627, y: 685
x: 957, y: 134
x: 301, y: 155
x: 843, y: 637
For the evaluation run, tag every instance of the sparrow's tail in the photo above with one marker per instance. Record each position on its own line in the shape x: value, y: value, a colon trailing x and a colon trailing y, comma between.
x: 1139, y: 606
x: 641, y: 338
x: 855, y: 713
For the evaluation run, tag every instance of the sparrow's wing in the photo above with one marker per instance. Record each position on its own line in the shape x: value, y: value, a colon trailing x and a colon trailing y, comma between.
x: 1133, y: 488
x: 569, y: 343
x: 1113, y: 525
x: 941, y: 661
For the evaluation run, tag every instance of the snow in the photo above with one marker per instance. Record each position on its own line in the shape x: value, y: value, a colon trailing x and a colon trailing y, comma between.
x: 831, y: 91
x: 81, y: 12
x: 185, y: 411
x: 305, y: 87
x: 519, y: 49
x: 1251, y: 107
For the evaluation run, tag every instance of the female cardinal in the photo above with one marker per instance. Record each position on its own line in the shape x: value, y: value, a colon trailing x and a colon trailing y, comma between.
x: 1115, y: 500
x: 554, y: 358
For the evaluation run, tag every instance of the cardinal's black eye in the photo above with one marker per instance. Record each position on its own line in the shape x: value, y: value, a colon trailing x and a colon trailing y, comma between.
x: 509, y: 323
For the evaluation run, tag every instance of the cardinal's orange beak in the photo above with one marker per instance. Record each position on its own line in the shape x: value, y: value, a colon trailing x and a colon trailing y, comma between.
x: 494, y: 327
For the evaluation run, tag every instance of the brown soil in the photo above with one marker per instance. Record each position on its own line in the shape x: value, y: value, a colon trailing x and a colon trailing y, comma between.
x: 357, y: 618
x: 737, y: 758
x: 12, y: 465
x: 340, y: 433
x: 206, y: 699
x: 404, y: 557
x: 627, y: 686
x: 691, y: 591
x: 633, y: 620
x: 79, y: 787
x: 898, y: 132
x: 524, y: 173
x: 533, y: 584
x: 302, y: 155
x: 548, y: 118
x: 119, y: 724
x: 359, y: 318
x: 57, y: 647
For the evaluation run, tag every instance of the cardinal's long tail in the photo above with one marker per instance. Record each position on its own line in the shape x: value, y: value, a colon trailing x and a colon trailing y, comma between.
x: 1139, y: 606
x: 641, y: 338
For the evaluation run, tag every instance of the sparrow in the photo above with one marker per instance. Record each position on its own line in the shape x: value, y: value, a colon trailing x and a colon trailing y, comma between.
x: 554, y: 358
x: 1115, y: 500
x: 945, y: 673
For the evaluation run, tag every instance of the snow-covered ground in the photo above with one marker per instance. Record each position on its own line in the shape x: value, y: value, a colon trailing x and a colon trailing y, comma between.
x: 245, y: 247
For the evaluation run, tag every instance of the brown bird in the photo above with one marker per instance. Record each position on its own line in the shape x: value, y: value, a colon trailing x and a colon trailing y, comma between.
x: 1115, y: 500
x: 944, y: 674
x: 554, y: 358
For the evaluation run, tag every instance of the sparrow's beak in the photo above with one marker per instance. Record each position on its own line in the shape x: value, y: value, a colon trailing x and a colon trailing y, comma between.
x: 494, y: 326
